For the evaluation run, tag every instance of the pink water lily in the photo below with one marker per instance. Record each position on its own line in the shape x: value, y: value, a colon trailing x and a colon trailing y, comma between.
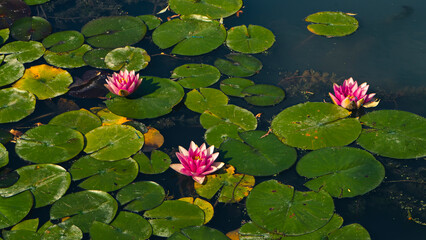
x: 123, y: 83
x: 197, y: 162
x: 351, y: 96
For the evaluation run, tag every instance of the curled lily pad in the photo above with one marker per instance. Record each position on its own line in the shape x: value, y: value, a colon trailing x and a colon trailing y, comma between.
x: 263, y: 94
x: 332, y: 24
x: 141, y: 196
x: 234, y: 86
x: 4, y: 156
x: 342, y: 172
x: 213, y: 9
x: 191, y: 37
x: 315, y: 125
x: 10, y: 72
x: 14, y: 209
x: 220, y: 114
x: 69, y: 232
x: 96, y: 57
x: 30, y: 28
x: 130, y: 58
x: 239, y: 65
x: 158, y: 163
x: 151, y: 21
x: 22, y: 51
x: 251, y: 39
x: 47, y: 182
x: 82, y: 208
x: 200, y: 101
x: 113, y: 142
x: 393, y: 133
x: 63, y: 41
x: 196, y: 75
x: 258, y: 154
x: 198, y: 232
x: 70, y: 59
x: 115, y: 31
x: 15, y: 104
x: 80, y: 120
x: 45, y: 81
x: 279, y: 208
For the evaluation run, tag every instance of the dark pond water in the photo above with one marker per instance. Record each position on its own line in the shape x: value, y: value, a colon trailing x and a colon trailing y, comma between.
x: 388, y: 51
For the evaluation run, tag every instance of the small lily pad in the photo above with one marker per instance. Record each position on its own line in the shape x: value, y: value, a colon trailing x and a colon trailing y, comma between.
x: 220, y: 132
x: 258, y: 154
x: 153, y: 140
x: 192, y: 37
x: 70, y: 59
x: 352, y: 231
x: 263, y: 95
x: 393, y: 133
x: 82, y: 208
x: 315, y: 125
x: 45, y: 81
x: 200, y: 101
x: 141, y: 196
x: 220, y: 114
x: 254, y: 39
x: 4, y: 35
x: 101, y: 175
x: 22, y: 51
x: 15, y: 104
x: 332, y: 24
x: 113, y: 142
x: 80, y: 120
x: 14, y: 209
x: 196, y: 75
x: 213, y: 9
x: 234, y: 86
x: 35, y: 2
x: 30, y: 28
x: 115, y: 31
x: 63, y: 41
x: 69, y: 232
x: 342, y: 172
x: 239, y: 65
x: 158, y: 163
x: 96, y: 57
x: 130, y: 58
x: 49, y: 144
x: 10, y: 72
x: 4, y: 156
x: 47, y: 182
x: 198, y: 232
x: 151, y: 21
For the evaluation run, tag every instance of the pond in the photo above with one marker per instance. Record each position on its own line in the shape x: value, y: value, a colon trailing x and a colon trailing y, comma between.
x: 297, y: 166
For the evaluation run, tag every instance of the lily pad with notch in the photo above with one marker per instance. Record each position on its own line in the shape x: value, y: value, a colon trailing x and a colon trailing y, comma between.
x: 96, y: 58
x: 10, y: 72
x: 239, y: 65
x: 30, y: 28
x: 196, y: 75
x: 130, y: 58
x: 332, y: 24
x: 216, y: 134
x: 235, y: 86
x: 151, y: 21
x: 113, y: 32
x: 141, y: 196
x: 202, y: 100
x: 23, y: 51
x: 263, y: 95
x: 63, y: 41
x: 16, y: 104
x: 70, y: 59
x: 251, y: 39
x: 158, y: 163
x: 214, y: 9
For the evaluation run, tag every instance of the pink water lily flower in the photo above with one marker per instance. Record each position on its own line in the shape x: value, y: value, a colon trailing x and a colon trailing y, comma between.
x: 351, y: 96
x: 123, y: 83
x: 197, y: 162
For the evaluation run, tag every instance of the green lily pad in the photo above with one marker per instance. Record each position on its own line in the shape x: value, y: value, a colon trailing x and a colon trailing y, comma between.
x: 10, y: 72
x: 393, y: 133
x: 70, y: 59
x: 49, y: 144
x: 157, y: 97
x: 96, y: 58
x: 151, y: 21
x: 158, y: 163
x: 192, y: 37
x: 141, y: 196
x: 30, y: 28
x: 198, y: 232
x: 4, y: 156
x: 342, y: 172
x: 233, y: 187
x: 126, y: 226
x: 15, y: 104
x: 239, y: 65
x: 213, y: 9
x: 102, y: 175
x: 47, y: 182
x: 220, y: 114
x: 263, y: 95
x: 254, y: 39
x: 200, y: 101
x: 63, y: 41
x: 113, y: 142
x: 332, y: 24
x: 219, y: 133
x: 82, y: 208
x: 279, y: 208
x: 130, y: 58
x: 45, y: 81
x: 30, y: 225
x: 35, y: 2
x: 171, y: 216
x: 80, y: 120
x: 258, y: 155
x: 4, y: 35
x: 196, y: 75
x: 69, y: 232
x: 113, y: 32
x: 251, y: 231
x: 22, y: 51
x: 20, y: 235
x: 348, y: 232
x: 315, y: 125
x: 14, y: 209
x: 234, y: 86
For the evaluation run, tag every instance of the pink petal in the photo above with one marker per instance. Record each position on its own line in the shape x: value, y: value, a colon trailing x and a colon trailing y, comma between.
x: 369, y: 97
x: 199, y: 179
x: 214, y: 167
x: 179, y: 168
x: 334, y: 99
x: 183, y: 151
